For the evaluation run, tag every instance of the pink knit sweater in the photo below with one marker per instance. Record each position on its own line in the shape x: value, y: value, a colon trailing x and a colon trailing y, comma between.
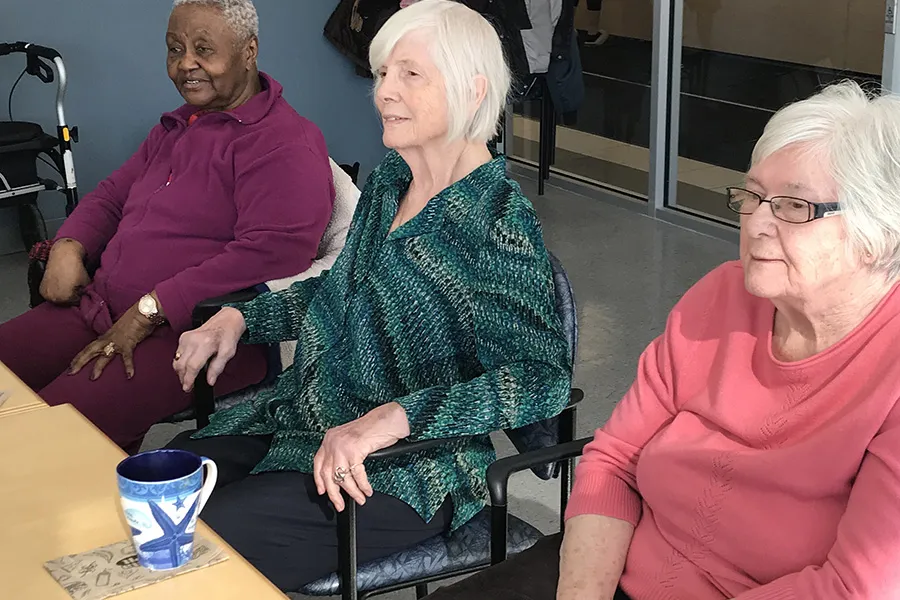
x: 748, y: 477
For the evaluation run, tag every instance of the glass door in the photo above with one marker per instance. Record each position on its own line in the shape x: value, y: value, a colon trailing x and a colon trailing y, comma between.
x: 607, y: 141
x: 735, y: 62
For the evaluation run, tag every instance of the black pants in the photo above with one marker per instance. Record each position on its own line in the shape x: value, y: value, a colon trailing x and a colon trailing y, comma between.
x: 279, y: 523
x: 531, y: 575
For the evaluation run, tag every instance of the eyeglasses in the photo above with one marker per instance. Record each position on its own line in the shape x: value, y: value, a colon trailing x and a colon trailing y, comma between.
x: 786, y: 208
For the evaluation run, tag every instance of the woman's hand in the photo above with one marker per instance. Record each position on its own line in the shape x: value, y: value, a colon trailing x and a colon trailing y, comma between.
x: 346, y: 447
x: 65, y: 276
x: 122, y: 338
x: 217, y: 339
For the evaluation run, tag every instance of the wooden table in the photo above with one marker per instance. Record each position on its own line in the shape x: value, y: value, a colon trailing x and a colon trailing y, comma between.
x: 20, y: 398
x: 59, y: 496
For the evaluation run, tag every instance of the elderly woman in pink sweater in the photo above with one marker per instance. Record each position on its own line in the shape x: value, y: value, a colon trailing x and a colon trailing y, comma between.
x: 757, y: 454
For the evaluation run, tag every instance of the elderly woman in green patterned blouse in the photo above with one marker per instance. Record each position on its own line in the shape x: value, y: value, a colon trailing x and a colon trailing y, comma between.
x: 437, y: 320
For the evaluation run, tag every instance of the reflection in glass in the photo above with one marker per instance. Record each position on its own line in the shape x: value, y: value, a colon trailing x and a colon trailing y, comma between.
x: 742, y: 60
x: 608, y: 141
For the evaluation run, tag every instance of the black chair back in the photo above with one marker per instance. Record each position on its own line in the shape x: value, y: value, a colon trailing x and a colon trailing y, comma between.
x: 551, y: 432
x: 352, y: 171
x: 565, y: 305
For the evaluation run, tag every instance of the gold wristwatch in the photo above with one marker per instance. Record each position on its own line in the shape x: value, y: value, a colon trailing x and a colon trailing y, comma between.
x: 148, y: 307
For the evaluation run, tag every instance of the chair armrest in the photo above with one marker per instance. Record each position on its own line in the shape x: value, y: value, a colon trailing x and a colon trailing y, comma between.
x: 204, y: 397
x: 403, y: 447
x: 499, y: 471
x: 206, y: 309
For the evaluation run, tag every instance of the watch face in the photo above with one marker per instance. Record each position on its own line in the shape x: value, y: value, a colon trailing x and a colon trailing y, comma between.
x: 147, y: 306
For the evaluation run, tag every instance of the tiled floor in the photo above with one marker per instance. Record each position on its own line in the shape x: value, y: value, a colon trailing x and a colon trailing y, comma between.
x: 627, y: 271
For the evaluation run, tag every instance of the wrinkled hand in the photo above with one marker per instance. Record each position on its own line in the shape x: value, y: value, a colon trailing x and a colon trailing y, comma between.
x: 122, y: 338
x: 347, y: 446
x: 217, y: 339
x: 65, y: 276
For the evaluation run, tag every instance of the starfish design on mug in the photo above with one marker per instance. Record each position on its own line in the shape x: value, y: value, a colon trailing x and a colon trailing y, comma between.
x: 174, y: 535
x: 179, y: 502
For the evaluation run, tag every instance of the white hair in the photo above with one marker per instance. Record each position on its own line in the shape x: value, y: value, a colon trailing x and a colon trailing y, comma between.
x: 239, y: 14
x: 463, y: 46
x: 857, y: 134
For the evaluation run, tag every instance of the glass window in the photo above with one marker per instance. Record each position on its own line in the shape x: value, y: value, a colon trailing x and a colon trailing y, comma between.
x: 744, y: 59
x: 607, y: 141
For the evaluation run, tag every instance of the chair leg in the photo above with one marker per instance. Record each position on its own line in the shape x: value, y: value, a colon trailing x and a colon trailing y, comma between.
x: 499, y: 524
x: 547, y: 137
x: 567, y: 467
x: 421, y: 591
x: 543, y: 140
x: 551, y: 150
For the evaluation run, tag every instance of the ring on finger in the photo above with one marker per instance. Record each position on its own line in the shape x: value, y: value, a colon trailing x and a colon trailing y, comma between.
x: 178, y: 356
x: 340, y: 474
x: 109, y: 349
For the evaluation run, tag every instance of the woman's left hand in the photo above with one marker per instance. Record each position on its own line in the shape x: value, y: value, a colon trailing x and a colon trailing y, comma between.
x: 346, y: 447
x: 122, y: 338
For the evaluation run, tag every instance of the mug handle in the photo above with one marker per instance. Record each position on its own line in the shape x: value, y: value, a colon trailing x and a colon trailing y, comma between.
x: 212, y: 474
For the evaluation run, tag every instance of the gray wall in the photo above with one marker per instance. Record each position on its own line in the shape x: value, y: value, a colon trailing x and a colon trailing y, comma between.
x: 114, y: 51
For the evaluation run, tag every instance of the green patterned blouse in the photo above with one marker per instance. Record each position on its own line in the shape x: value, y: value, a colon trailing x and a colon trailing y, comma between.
x: 451, y: 315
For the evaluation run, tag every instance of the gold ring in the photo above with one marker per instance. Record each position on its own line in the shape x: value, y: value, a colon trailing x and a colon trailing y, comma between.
x: 109, y: 349
x: 340, y: 474
x: 178, y: 356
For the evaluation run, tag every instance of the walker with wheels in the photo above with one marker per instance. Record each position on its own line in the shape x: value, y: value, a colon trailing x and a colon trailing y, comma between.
x: 22, y: 144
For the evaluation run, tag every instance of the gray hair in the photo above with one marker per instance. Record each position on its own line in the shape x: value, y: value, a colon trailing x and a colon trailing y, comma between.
x: 463, y: 46
x: 857, y: 133
x: 239, y: 14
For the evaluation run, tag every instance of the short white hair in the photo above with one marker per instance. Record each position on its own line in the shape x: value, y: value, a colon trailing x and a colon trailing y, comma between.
x: 857, y: 133
x: 239, y: 14
x: 463, y: 45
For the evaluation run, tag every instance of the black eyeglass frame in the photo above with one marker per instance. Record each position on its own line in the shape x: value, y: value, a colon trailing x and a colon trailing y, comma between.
x: 817, y: 210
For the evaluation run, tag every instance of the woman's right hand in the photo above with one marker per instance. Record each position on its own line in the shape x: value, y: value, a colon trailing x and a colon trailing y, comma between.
x: 65, y: 276
x: 217, y: 339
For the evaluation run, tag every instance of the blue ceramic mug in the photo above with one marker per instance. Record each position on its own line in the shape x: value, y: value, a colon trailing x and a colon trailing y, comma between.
x: 162, y: 493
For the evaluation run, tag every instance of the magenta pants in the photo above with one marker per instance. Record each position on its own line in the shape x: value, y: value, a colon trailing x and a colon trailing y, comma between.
x: 39, y: 345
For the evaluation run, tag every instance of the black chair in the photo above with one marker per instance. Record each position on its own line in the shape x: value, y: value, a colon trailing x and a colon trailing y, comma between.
x: 436, y: 558
x: 493, y: 533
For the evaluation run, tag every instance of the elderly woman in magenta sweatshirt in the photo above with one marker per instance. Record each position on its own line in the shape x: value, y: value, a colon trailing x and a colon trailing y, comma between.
x: 232, y: 189
x: 757, y: 455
